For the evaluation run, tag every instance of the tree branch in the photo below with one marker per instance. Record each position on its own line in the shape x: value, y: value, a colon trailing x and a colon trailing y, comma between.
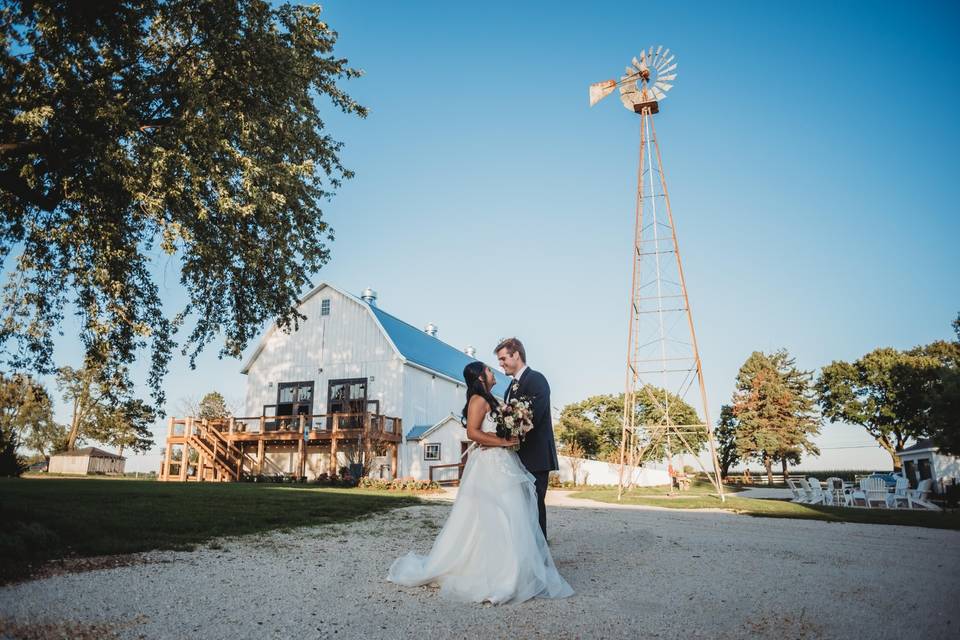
x: 12, y: 182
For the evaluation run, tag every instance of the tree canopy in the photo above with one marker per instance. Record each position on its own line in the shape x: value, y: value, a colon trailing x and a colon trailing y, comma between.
x: 144, y: 132
x: 27, y: 410
x: 596, y: 423
x: 774, y: 409
x: 104, y: 412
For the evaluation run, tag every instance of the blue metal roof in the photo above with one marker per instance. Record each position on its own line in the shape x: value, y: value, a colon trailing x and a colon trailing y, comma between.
x: 417, y: 432
x: 432, y: 353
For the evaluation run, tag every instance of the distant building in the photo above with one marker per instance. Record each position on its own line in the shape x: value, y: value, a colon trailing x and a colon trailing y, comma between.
x: 87, y: 461
x: 924, y: 461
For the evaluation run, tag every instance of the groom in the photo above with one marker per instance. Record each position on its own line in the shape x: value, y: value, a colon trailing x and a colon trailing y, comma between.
x: 538, y: 451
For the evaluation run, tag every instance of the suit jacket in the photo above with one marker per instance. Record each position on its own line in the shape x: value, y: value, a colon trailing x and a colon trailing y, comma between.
x: 538, y: 451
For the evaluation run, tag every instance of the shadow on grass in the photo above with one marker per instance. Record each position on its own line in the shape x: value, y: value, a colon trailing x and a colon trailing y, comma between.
x: 41, y: 520
x: 782, y: 509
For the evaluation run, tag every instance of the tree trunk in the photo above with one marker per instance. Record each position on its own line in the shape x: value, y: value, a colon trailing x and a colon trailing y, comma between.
x: 74, y: 427
x: 786, y: 474
x: 892, y: 450
x: 768, y: 463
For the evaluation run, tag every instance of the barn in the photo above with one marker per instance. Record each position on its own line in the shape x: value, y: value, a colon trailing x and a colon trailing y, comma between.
x: 350, y: 357
x: 89, y: 460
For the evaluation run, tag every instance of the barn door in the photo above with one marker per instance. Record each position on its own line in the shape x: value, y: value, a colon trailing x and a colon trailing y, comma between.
x: 295, y: 399
x: 347, y: 396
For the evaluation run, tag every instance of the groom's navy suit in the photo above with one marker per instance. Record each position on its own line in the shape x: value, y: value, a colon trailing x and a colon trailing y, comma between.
x: 538, y: 451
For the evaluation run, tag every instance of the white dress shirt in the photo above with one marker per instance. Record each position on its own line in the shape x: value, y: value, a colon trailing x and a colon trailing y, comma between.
x: 516, y: 379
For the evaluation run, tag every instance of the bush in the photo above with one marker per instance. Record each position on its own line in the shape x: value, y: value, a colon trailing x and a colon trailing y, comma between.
x: 11, y: 464
x: 400, y: 484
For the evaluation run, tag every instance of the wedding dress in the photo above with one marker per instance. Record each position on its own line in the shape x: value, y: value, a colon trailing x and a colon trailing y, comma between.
x: 491, y: 548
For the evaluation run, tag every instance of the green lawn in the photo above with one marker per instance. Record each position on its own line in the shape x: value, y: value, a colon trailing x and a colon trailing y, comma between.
x: 54, y: 518
x: 776, y: 508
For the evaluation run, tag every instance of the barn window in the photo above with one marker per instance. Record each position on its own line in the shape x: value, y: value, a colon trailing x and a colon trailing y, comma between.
x: 325, y: 307
x: 432, y: 451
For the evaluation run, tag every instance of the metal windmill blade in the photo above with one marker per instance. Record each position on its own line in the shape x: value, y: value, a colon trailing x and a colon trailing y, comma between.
x: 647, y: 79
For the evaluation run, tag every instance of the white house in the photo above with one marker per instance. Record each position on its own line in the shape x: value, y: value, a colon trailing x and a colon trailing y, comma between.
x: 350, y: 357
x: 924, y: 460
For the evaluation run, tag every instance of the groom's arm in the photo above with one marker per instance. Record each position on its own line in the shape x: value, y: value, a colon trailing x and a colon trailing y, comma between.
x: 539, y: 390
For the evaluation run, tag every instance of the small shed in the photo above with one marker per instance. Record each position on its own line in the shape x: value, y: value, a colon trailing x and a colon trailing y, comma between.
x: 440, y: 445
x: 924, y: 460
x: 86, y: 461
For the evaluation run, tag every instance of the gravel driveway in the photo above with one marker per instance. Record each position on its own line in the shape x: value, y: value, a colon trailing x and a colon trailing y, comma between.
x: 638, y: 572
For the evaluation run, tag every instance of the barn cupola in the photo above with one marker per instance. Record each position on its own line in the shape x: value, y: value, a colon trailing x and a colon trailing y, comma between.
x: 369, y: 296
x: 430, y: 329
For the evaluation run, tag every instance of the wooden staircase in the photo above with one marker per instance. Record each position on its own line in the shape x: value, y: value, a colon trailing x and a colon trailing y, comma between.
x: 218, y: 451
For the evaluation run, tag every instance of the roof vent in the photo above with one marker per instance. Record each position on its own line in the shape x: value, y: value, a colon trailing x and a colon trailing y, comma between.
x: 431, y: 330
x: 470, y: 351
x: 369, y: 296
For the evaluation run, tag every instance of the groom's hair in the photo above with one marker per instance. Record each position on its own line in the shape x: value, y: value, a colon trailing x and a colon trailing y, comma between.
x: 513, y: 346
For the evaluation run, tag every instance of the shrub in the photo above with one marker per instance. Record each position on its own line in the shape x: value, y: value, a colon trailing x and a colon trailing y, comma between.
x: 11, y: 464
x: 400, y: 484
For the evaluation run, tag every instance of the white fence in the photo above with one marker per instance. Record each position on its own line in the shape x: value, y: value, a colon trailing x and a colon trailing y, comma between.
x: 597, y: 472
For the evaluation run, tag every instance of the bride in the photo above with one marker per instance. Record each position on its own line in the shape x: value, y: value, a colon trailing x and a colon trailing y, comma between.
x: 491, y: 548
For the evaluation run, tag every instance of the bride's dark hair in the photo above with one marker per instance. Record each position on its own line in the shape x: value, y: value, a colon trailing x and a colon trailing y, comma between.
x: 476, y: 386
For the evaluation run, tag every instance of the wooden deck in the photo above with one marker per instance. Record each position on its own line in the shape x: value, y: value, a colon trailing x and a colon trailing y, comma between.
x: 229, y: 449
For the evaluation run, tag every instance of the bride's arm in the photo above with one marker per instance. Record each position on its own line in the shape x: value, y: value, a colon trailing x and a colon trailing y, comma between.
x: 476, y: 411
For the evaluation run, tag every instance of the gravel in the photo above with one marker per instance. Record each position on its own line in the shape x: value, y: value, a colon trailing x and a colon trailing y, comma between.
x: 638, y: 572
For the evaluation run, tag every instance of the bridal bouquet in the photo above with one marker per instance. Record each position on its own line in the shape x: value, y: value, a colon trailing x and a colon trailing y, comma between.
x: 514, y: 419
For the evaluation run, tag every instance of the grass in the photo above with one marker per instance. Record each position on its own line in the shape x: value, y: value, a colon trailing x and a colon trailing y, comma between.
x: 54, y: 518
x: 777, y: 508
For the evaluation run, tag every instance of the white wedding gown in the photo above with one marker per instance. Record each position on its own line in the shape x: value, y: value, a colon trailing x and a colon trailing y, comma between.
x: 491, y: 548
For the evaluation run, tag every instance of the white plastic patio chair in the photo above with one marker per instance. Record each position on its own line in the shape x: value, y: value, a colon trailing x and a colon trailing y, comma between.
x: 921, y: 495
x: 819, y: 495
x: 872, y: 490
x: 798, y: 494
x: 807, y: 491
x: 899, y: 494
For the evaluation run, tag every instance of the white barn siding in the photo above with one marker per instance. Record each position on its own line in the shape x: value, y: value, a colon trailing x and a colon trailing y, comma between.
x: 69, y: 464
x: 429, y: 398
x: 348, y: 343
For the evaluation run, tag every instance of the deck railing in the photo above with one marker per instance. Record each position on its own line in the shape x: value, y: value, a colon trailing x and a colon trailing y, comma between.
x: 320, y: 423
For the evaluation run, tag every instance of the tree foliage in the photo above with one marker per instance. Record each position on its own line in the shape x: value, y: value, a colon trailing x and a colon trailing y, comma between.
x: 11, y: 463
x: 27, y: 410
x: 725, y: 433
x: 213, y: 406
x: 104, y: 412
x: 596, y: 424
x: 884, y: 392
x: 775, y: 410
x: 142, y: 133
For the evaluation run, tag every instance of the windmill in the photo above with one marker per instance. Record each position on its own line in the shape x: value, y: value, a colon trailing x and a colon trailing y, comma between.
x: 663, y: 360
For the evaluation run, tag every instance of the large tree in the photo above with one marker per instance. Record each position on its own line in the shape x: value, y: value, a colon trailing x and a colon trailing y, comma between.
x: 884, y: 392
x: 142, y: 133
x: 596, y: 423
x: 26, y: 409
x: 936, y: 368
x: 213, y: 406
x: 775, y: 410
x: 102, y: 410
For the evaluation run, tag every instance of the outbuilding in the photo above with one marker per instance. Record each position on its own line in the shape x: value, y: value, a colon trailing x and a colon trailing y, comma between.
x: 87, y: 461
x: 924, y: 461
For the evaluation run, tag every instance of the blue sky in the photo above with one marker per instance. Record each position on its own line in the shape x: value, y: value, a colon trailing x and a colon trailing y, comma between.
x: 810, y: 157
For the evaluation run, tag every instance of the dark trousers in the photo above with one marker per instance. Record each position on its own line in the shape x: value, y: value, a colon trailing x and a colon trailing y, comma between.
x: 541, y: 478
